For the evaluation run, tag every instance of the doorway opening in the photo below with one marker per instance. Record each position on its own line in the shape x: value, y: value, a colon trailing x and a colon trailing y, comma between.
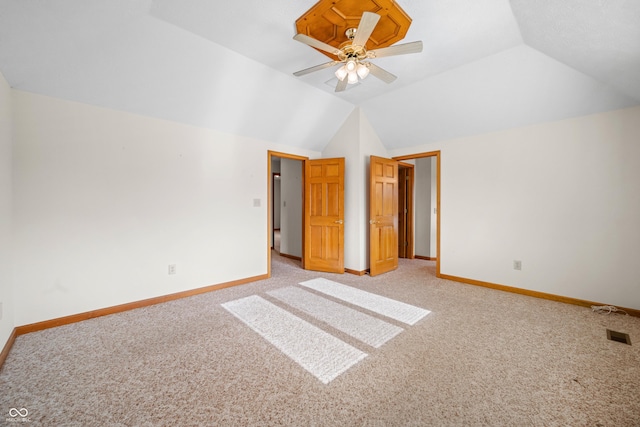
x: 285, y: 211
x: 275, y: 206
x: 404, y: 206
x: 422, y: 198
x: 405, y: 210
x: 311, y: 208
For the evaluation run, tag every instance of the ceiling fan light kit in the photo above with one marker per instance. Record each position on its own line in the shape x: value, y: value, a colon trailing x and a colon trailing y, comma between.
x: 352, y: 78
x: 341, y: 72
x: 352, y: 70
x: 362, y: 70
x: 353, y: 54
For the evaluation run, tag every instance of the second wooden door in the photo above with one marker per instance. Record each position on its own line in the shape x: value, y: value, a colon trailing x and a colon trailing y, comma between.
x: 383, y: 215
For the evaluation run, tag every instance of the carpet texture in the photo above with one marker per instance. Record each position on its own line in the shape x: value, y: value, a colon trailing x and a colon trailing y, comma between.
x: 368, y: 329
x: 480, y: 358
x: 315, y: 350
x: 388, y: 307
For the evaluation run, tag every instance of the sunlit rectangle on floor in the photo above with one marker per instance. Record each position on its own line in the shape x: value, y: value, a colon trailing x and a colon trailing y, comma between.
x: 320, y: 353
x: 388, y: 307
x: 368, y: 329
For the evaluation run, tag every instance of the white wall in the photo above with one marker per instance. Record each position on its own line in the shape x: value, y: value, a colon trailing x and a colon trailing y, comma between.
x: 356, y: 141
x: 104, y: 201
x: 563, y: 197
x: 422, y: 207
x: 276, y: 202
x: 6, y: 281
x: 291, y: 207
x: 346, y: 143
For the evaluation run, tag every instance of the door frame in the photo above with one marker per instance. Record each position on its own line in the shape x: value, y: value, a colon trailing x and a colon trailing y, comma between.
x: 270, y: 155
x: 435, y: 154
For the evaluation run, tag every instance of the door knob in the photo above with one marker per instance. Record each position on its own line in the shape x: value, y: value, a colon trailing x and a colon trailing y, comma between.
x: 338, y: 221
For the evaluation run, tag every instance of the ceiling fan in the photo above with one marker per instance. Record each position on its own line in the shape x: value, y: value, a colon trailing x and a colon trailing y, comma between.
x: 354, y: 56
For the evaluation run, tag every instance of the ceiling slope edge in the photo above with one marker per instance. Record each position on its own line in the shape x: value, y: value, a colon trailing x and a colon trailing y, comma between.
x: 154, y: 14
x: 621, y: 89
x: 598, y: 38
x: 514, y: 88
x: 437, y: 74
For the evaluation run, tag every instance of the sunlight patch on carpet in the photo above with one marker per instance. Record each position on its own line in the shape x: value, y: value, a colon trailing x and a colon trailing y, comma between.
x: 321, y: 354
x: 388, y: 307
x: 368, y: 329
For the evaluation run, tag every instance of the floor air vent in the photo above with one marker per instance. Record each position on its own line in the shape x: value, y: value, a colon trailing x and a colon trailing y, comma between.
x: 618, y: 336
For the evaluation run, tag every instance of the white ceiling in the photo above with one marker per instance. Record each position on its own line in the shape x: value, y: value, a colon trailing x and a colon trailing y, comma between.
x: 487, y: 65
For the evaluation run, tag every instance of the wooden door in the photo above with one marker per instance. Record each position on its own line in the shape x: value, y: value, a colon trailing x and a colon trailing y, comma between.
x: 324, y: 215
x: 383, y: 215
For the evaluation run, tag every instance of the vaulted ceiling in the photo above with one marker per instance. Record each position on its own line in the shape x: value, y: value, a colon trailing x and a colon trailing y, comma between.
x: 486, y: 65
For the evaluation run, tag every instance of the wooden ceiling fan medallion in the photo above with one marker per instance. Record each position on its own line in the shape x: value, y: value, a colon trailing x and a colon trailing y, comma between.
x: 351, y: 35
x: 329, y: 20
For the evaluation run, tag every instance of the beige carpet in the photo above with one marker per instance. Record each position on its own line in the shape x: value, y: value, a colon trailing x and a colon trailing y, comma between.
x: 480, y: 357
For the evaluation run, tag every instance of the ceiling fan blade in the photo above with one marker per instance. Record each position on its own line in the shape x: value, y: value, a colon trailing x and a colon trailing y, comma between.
x: 400, y: 49
x: 342, y: 85
x: 383, y: 75
x: 365, y: 28
x: 303, y: 38
x: 316, y: 68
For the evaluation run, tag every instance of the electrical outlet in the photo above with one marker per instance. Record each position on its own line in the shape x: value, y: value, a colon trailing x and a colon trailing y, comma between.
x: 517, y: 265
x: 172, y: 269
